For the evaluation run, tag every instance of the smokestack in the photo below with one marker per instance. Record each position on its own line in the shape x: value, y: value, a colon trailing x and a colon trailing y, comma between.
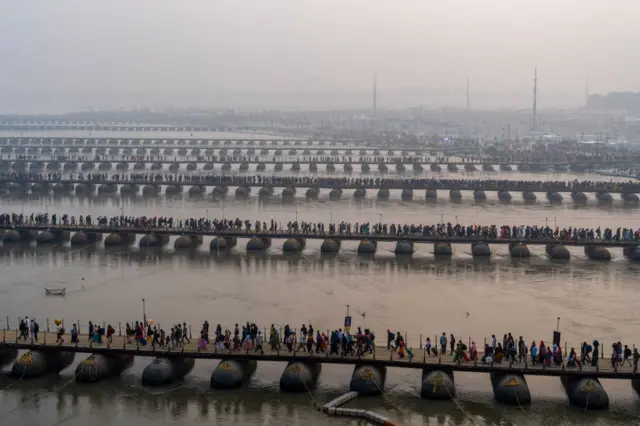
x: 586, y: 92
x: 535, y: 96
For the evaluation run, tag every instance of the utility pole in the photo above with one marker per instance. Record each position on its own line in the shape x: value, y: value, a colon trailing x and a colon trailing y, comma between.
x: 535, y: 96
x: 375, y: 92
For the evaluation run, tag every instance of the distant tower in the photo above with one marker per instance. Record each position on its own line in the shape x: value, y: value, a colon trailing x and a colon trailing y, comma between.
x: 586, y: 92
x: 535, y: 96
x: 375, y: 91
x: 468, y: 100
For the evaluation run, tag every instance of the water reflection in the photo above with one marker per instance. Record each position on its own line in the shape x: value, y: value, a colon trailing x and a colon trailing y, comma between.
x: 194, y: 403
x: 245, y: 262
x: 498, y: 269
x: 141, y: 200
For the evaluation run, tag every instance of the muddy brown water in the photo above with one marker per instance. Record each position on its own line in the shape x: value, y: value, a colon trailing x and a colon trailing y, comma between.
x: 417, y: 296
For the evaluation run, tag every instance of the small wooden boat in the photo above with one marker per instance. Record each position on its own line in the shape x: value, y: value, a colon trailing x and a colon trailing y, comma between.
x: 55, y: 291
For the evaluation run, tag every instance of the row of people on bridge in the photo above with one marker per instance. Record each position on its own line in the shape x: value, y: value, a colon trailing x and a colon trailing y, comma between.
x: 387, y: 141
x: 334, y: 159
x: 245, y: 338
x: 337, y: 182
x: 240, y: 338
x: 443, y: 230
x: 249, y: 337
x: 519, y: 352
x: 286, y: 156
x: 549, y: 153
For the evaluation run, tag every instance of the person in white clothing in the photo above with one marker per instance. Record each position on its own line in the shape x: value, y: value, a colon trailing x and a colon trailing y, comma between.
x: 259, y: 343
x: 302, y: 341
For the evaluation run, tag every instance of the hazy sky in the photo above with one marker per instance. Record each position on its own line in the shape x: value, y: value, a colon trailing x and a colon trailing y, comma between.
x: 183, y: 46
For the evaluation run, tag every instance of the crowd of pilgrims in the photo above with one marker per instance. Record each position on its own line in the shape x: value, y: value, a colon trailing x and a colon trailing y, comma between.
x: 250, y: 338
x: 516, y: 352
x: 246, y: 337
x: 323, y: 159
x: 515, y: 151
x: 341, y: 342
x: 315, y: 154
x: 440, y: 230
x: 325, y: 181
x: 134, y: 332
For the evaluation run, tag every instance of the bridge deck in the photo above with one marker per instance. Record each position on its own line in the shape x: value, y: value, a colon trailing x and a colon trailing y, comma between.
x: 382, y: 356
x: 352, y: 237
x: 368, y: 183
x: 257, y: 147
x: 34, y: 139
x: 48, y: 140
x: 416, y: 160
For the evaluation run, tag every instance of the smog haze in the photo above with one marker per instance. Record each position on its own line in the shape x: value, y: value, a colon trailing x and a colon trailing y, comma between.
x: 313, y: 54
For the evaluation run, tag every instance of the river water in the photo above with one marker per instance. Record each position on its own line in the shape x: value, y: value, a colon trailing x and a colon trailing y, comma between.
x: 419, y: 297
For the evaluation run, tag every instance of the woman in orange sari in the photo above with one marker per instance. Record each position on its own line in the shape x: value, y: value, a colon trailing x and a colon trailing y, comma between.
x: 401, y: 349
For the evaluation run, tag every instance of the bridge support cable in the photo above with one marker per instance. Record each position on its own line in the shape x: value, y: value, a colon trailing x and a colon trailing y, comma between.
x: 315, y: 403
x: 586, y: 406
x: 526, y: 413
x: 393, y: 405
x: 39, y: 394
x: 455, y: 400
x: 17, y: 381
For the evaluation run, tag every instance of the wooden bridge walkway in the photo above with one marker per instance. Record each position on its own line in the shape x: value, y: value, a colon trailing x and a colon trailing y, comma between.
x: 318, y: 236
x: 381, y: 357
